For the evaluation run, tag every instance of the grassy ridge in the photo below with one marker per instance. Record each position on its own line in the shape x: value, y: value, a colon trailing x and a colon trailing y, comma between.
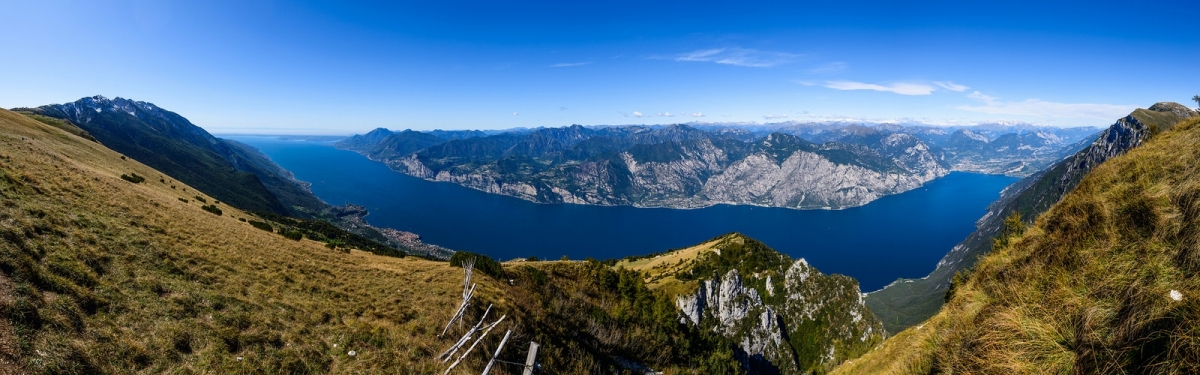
x: 1105, y: 281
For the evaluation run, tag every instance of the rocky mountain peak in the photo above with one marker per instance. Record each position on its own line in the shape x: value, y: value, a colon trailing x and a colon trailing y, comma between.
x: 1174, y: 108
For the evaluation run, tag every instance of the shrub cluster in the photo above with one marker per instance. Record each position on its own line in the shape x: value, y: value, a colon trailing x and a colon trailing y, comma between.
x: 261, y: 225
x: 211, y: 208
x: 201, y: 199
x: 133, y: 177
x: 483, y: 263
x: 317, y: 230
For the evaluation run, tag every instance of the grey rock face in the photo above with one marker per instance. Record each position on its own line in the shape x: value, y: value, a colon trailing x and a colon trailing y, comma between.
x: 702, y: 173
x: 727, y: 306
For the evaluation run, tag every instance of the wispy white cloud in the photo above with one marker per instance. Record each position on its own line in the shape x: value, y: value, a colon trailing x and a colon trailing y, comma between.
x: 951, y: 86
x: 697, y: 114
x: 637, y: 114
x: 739, y: 57
x: 897, y: 88
x: 665, y: 114
x: 774, y: 117
x: 567, y: 65
x: 830, y: 68
x: 1040, y: 108
x: 981, y: 97
x: 516, y: 114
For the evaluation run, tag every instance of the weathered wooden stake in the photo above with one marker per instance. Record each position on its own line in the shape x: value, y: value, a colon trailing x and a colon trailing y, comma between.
x: 449, y: 353
x: 531, y: 359
x: 462, y: 308
x: 488, y: 369
x: 481, y: 336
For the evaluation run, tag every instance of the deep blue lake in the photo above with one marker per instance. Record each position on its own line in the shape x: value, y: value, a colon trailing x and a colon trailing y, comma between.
x: 902, y: 235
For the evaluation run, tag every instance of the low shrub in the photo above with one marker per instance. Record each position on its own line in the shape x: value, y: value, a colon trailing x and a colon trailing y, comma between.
x: 211, y: 208
x: 261, y: 225
x: 292, y: 234
x: 201, y: 199
x: 183, y: 200
x: 483, y: 263
x: 133, y: 177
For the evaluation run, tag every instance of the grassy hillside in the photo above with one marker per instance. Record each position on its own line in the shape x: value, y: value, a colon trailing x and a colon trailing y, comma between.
x: 105, y: 274
x: 1104, y: 282
x: 908, y: 302
x: 167, y: 142
x: 100, y: 274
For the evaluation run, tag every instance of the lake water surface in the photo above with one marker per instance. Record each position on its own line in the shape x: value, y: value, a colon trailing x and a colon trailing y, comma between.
x: 896, y: 236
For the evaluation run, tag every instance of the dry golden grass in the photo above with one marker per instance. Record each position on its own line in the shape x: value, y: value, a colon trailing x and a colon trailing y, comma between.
x: 659, y: 270
x: 1089, y: 288
x: 113, y: 276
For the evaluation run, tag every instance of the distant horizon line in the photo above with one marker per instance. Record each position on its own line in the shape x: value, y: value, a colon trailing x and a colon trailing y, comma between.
x: 747, y: 124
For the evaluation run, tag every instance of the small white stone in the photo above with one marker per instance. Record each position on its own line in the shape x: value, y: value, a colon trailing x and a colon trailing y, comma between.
x: 239, y: 358
x: 1175, y: 295
x: 352, y: 353
x: 335, y: 345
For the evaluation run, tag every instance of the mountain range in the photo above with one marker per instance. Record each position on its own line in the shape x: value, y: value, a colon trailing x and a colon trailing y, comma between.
x: 681, y: 166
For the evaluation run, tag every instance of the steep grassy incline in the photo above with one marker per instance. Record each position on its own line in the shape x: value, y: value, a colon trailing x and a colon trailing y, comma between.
x: 169, y: 143
x: 908, y: 302
x: 103, y: 275
x: 1105, y: 281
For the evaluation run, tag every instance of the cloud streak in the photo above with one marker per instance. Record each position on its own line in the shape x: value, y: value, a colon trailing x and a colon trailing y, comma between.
x: 951, y: 86
x: 1040, y: 108
x: 896, y: 88
x: 739, y: 57
x: 567, y: 65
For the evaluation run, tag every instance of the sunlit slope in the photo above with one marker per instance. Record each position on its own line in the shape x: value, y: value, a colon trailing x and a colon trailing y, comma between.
x: 1104, y: 282
x: 99, y: 274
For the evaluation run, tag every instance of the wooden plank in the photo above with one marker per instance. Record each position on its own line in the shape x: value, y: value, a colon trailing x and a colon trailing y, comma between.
x: 488, y: 369
x: 531, y: 359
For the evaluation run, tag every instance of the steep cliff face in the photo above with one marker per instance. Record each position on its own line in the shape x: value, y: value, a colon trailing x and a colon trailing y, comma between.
x: 678, y: 166
x: 783, y: 314
x: 910, y: 301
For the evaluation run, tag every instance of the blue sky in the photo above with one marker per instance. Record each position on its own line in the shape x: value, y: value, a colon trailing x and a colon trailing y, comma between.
x: 317, y: 67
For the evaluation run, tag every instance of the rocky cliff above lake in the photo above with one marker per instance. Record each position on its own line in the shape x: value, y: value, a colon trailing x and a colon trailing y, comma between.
x: 675, y: 166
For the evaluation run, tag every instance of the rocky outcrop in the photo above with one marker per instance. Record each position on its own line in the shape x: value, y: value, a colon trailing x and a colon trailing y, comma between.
x: 803, y: 321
